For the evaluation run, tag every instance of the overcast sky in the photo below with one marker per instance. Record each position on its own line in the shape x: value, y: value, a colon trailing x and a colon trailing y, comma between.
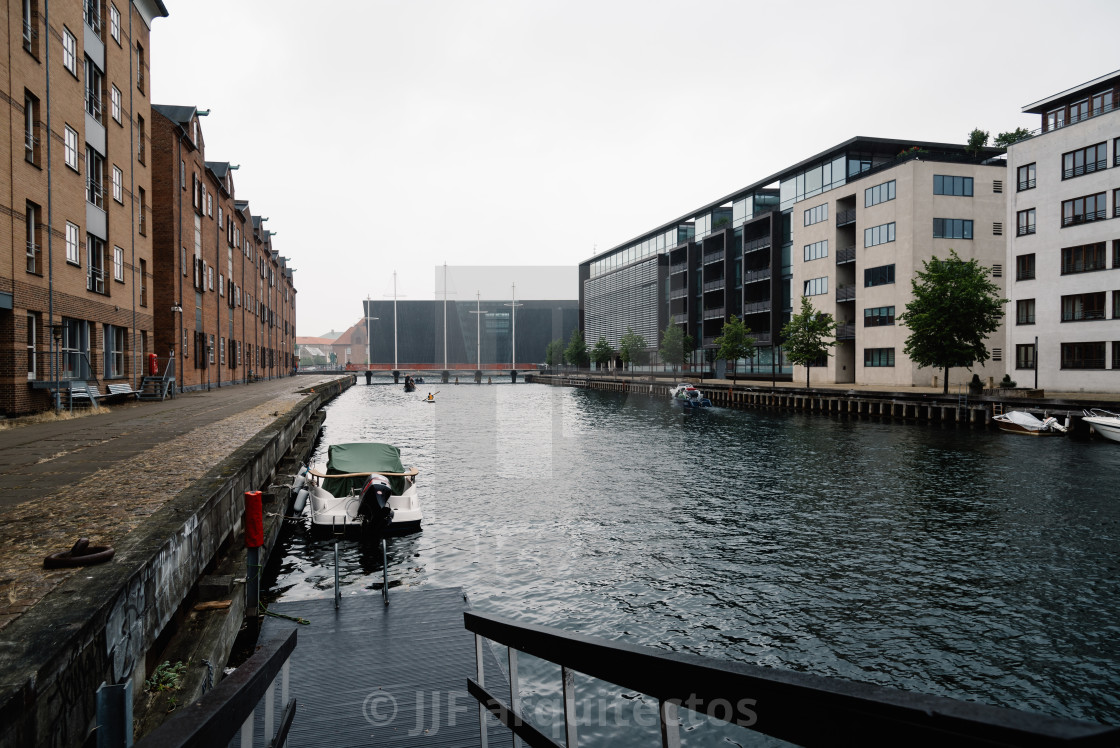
x: 399, y: 135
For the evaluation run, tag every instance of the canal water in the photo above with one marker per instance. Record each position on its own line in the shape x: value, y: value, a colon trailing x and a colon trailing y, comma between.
x: 956, y: 562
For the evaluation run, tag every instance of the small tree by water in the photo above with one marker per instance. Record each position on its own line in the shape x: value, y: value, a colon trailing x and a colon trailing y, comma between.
x: 602, y: 353
x: 954, y: 310
x: 554, y: 353
x: 806, y: 336
x: 576, y: 352
x: 630, y: 347
x: 734, y: 342
x: 676, y: 346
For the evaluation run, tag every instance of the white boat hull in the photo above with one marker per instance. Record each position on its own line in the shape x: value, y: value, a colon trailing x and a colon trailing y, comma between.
x: 1106, y: 426
x: 338, y: 514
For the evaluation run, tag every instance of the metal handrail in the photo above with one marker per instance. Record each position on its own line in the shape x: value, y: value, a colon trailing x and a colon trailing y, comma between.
x: 1077, y: 171
x: 755, y: 244
x: 847, y: 254
x: 766, y: 700
x: 1025, y: 229
x: 844, y: 217
x: 715, y: 313
x: 1087, y: 217
x: 750, y: 276
x: 845, y: 292
x: 1027, y: 184
x: 757, y: 306
x: 714, y: 285
x: 1085, y: 314
x: 228, y: 709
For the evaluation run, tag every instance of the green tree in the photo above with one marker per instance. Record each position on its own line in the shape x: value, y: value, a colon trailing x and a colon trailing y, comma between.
x: 602, y: 352
x: 954, y: 309
x: 1005, y: 139
x: 734, y: 341
x: 554, y: 353
x: 631, y: 346
x: 576, y: 352
x: 676, y: 346
x: 806, y: 336
x: 977, y: 139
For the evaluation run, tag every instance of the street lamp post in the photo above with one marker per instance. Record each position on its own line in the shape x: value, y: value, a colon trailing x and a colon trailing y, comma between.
x: 56, y: 332
x: 369, y: 334
x: 478, y: 333
x: 177, y: 309
x: 1036, y: 362
x: 209, y: 356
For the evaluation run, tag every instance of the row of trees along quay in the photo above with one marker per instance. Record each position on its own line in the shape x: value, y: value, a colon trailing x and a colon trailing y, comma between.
x: 955, y: 307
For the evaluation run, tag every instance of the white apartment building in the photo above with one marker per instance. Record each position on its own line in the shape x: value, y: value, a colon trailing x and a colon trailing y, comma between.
x: 1064, y: 251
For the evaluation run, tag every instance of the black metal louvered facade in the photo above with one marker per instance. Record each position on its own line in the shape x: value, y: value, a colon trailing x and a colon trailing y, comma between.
x: 631, y: 296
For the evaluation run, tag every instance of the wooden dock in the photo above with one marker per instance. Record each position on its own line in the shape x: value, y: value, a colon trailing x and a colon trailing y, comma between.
x: 371, y: 675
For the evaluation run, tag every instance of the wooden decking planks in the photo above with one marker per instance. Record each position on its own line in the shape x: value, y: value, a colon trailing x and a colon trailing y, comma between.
x: 371, y: 675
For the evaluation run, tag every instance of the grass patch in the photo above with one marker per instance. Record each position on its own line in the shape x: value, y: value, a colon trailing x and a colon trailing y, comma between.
x: 50, y: 416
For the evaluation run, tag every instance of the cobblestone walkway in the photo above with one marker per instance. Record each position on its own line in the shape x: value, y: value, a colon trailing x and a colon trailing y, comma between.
x: 109, y: 502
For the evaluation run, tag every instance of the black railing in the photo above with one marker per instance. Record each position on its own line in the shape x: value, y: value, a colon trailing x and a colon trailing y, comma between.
x: 1026, y: 184
x: 714, y: 285
x: 751, y: 276
x: 1089, y: 168
x: 845, y: 332
x: 228, y: 709
x: 755, y: 307
x: 1080, y: 315
x: 1095, y: 215
x: 711, y: 257
x: 847, y: 254
x: 845, y: 217
x: 1083, y: 363
x: 714, y: 313
x: 760, y: 699
x: 678, y: 293
x: 678, y: 267
x: 1072, y: 268
x: 845, y: 292
x: 757, y: 244
x: 680, y: 318
x: 1025, y: 229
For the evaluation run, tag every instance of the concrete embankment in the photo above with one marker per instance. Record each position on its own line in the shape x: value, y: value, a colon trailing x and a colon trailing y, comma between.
x: 106, y: 624
x: 919, y: 404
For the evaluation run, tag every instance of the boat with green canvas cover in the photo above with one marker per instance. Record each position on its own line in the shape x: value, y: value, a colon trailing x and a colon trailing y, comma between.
x: 364, y: 486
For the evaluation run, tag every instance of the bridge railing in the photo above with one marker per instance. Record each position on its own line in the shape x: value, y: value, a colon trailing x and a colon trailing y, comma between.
x: 796, y: 707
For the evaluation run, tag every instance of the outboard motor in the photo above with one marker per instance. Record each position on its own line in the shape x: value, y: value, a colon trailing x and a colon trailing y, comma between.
x: 374, y: 509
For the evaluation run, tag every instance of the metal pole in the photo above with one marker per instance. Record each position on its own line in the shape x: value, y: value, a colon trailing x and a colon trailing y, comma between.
x: 478, y: 332
x: 384, y: 571
x: 1036, y: 362
x: 394, y: 319
x: 445, y: 316
x: 513, y: 327
x: 337, y: 589
x: 369, y: 335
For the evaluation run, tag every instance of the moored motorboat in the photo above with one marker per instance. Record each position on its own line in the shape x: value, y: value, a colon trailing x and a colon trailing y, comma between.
x: 409, y: 384
x: 687, y: 395
x: 364, y: 486
x: 1104, y: 422
x: 1022, y: 422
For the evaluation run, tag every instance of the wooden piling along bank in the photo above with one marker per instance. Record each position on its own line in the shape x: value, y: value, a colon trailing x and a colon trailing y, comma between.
x: 895, y: 406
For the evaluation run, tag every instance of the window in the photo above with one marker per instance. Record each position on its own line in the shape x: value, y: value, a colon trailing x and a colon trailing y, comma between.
x: 878, y: 234
x: 143, y: 282
x: 879, y: 316
x: 1102, y: 102
x: 70, y: 147
x: 210, y: 349
x: 1083, y: 306
x: 1083, y: 259
x: 1116, y: 304
x: 209, y: 278
x: 72, y: 255
x: 93, y: 15
x: 1024, y: 356
x: 1024, y: 267
x: 118, y: 184
x: 1084, y: 209
x: 221, y: 285
x: 69, y: 51
x: 140, y: 67
x: 952, y: 228
x: 94, y: 90
x: 118, y: 264
x: 34, y: 244
x: 1084, y: 161
x: 1116, y: 203
x: 1083, y: 355
x: 816, y: 250
x: 878, y: 356
x: 114, y: 23
x: 222, y: 352
x: 947, y: 185
x: 220, y: 215
x: 32, y: 333
x: 95, y: 265
x: 95, y: 176
x: 880, y: 193
x: 114, y: 351
x: 142, y: 198
x: 1024, y: 312
x: 816, y: 286
x: 140, y: 139
x: 1026, y: 177
x: 1026, y: 222
x: 1055, y: 119
x: 30, y: 128
x: 115, y: 103
x: 1079, y: 111
x: 816, y: 215
x: 1116, y: 253
x: 209, y: 205
x: 182, y: 174
x: 878, y: 276
x: 31, y: 26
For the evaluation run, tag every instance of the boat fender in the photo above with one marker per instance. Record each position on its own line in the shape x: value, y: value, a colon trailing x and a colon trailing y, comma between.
x: 297, y: 483
x: 300, y: 502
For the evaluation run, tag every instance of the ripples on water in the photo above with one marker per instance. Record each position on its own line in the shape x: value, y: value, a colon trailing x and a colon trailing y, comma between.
x: 962, y: 563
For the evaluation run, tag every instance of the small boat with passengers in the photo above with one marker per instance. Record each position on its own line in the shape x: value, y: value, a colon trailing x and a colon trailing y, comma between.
x: 687, y: 395
x: 1022, y: 422
x: 364, y: 486
x: 1104, y: 422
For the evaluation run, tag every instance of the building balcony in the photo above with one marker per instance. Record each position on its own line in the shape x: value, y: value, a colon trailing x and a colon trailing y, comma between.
x: 678, y: 293
x: 845, y: 217
x: 761, y: 338
x: 845, y: 293
x: 680, y: 319
x: 756, y: 307
x: 715, y: 285
x: 756, y: 245
x: 753, y: 276
x: 678, y: 267
x: 714, y: 313
x: 845, y: 255
x: 712, y: 257
x: 845, y: 332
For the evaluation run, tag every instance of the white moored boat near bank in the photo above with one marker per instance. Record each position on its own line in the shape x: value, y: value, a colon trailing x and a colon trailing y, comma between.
x: 364, y: 486
x: 1104, y: 422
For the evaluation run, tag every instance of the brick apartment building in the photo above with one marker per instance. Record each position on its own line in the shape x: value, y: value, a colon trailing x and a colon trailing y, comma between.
x: 225, y: 301
x: 75, y: 286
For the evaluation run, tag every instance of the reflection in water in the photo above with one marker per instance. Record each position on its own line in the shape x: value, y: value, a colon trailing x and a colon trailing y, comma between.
x: 970, y: 564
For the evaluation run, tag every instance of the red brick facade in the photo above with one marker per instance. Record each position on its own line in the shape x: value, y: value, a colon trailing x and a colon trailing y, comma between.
x: 73, y: 196
x: 215, y: 261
